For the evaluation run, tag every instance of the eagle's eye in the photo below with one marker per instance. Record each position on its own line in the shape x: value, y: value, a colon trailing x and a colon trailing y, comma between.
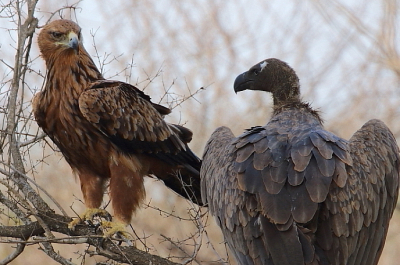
x: 56, y: 34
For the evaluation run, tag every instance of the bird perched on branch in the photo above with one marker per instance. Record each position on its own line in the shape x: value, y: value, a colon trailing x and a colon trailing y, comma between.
x: 292, y: 193
x: 108, y: 130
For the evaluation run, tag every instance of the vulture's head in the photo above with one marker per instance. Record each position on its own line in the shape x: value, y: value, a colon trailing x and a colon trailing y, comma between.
x: 60, y: 38
x: 271, y: 75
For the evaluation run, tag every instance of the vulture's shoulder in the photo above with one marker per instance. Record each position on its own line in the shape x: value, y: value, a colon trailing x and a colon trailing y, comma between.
x: 289, y: 164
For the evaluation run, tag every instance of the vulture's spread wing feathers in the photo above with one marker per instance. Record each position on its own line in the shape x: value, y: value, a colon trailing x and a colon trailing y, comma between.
x: 236, y: 210
x: 292, y: 193
x: 359, y: 212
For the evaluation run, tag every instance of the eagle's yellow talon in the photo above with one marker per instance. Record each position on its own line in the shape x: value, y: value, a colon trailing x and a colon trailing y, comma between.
x: 74, y: 223
x: 88, y: 215
x: 111, y: 228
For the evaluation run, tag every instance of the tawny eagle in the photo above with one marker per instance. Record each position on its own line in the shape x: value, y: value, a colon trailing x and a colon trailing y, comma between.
x: 108, y: 130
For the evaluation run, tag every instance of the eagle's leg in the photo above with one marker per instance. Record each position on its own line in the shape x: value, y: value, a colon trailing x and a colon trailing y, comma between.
x: 126, y: 193
x: 92, y: 187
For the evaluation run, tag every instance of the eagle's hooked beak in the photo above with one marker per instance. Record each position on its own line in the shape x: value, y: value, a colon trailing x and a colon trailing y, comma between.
x: 73, y: 40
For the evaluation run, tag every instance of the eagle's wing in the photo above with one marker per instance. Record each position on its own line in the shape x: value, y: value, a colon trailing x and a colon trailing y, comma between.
x: 358, y: 212
x: 135, y: 124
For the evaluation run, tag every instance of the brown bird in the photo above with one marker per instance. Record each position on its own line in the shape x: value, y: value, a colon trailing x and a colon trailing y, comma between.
x: 292, y: 193
x: 108, y: 130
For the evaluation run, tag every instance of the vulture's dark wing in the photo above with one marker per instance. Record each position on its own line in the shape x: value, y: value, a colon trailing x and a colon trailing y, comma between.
x: 355, y: 218
x: 296, y: 195
x: 235, y: 210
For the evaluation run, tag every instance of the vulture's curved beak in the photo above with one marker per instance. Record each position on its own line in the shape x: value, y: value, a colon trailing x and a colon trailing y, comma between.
x: 243, y: 82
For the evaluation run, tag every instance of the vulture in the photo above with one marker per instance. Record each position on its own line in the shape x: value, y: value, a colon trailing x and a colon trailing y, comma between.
x: 292, y: 193
x: 109, y: 131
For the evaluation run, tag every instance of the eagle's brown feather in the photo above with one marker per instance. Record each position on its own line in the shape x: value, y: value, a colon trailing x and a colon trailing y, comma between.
x: 108, y: 130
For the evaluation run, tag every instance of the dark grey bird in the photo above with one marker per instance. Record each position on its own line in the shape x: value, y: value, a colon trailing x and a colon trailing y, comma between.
x: 292, y: 193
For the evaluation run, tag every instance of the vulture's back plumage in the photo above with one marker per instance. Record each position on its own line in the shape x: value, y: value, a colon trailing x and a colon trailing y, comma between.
x: 292, y: 193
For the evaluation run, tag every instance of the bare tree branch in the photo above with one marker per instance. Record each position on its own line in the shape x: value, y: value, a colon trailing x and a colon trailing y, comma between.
x: 18, y: 250
x: 48, y: 249
x: 92, y: 236
x: 25, y: 33
x: 14, y: 207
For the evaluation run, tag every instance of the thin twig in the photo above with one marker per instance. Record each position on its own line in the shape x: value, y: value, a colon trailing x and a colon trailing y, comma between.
x: 48, y: 232
x: 49, y: 250
x: 18, y: 250
x: 14, y: 208
x: 34, y: 183
x: 33, y: 140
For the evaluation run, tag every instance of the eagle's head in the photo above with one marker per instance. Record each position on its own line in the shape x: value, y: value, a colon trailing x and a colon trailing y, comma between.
x: 60, y: 38
x: 271, y: 75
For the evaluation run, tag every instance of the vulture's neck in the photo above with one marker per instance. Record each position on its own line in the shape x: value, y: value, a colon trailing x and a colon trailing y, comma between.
x: 287, y: 97
x: 286, y: 93
x: 284, y: 99
x: 295, y: 105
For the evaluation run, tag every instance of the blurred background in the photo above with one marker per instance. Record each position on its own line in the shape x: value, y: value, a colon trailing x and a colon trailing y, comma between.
x: 186, y: 55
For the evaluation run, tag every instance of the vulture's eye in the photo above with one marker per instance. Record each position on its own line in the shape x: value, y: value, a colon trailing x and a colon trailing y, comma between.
x: 255, y: 71
x: 56, y: 34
